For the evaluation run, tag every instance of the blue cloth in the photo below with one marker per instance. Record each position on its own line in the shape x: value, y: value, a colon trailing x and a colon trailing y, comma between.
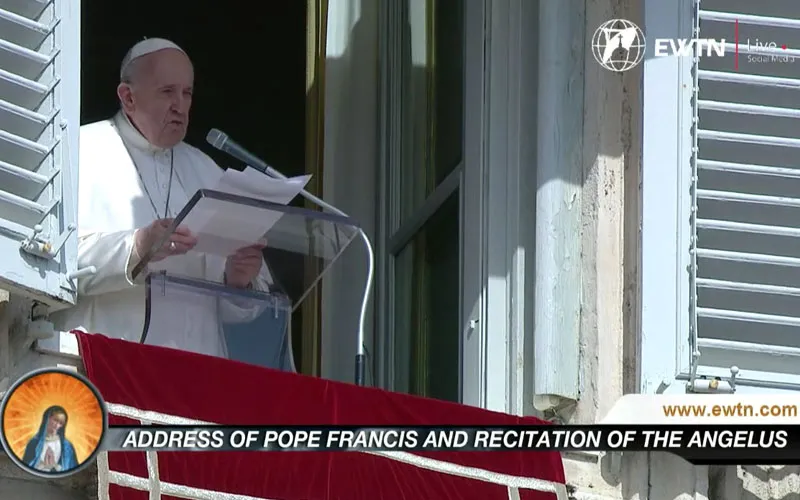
x: 35, y: 449
x: 263, y: 342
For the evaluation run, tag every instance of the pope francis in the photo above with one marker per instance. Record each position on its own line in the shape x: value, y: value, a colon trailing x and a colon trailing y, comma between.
x: 136, y: 173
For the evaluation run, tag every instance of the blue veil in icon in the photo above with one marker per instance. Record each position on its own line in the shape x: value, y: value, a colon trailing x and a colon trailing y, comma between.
x: 36, y: 448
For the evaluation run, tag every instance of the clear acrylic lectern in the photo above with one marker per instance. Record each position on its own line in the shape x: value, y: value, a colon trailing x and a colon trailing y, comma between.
x: 189, y: 306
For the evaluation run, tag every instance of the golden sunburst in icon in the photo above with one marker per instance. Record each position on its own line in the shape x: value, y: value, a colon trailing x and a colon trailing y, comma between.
x: 26, y: 405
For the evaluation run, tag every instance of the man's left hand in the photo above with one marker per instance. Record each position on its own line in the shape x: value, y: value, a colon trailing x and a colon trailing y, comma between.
x: 242, y: 267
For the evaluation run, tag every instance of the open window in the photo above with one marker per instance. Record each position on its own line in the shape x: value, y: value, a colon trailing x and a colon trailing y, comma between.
x: 249, y: 82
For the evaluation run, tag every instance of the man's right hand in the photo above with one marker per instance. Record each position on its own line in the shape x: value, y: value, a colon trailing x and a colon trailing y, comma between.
x: 180, y: 242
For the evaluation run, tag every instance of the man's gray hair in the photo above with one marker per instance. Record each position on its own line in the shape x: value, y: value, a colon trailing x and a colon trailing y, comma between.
x: 128, y: 68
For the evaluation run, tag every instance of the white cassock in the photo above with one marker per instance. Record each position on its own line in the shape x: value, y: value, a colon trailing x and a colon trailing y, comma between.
x: 124, y: 184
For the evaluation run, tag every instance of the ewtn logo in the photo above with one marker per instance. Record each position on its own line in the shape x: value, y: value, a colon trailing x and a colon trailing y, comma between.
x: 619, y: 45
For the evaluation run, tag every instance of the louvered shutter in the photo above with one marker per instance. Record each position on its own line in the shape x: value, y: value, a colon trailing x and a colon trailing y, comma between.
x: 745, y: 270
x: 39, y: 122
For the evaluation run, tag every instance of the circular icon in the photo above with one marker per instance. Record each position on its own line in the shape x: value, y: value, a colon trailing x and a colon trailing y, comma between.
x: 618, y: 45
x: 52, y: 422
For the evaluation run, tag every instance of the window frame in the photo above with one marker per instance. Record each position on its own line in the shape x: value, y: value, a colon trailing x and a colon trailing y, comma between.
x: 666, y: 203
x: 498, y: 178
x: 395, y: 232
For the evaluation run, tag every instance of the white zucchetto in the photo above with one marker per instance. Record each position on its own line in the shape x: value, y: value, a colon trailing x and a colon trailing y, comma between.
x: 146, y: 46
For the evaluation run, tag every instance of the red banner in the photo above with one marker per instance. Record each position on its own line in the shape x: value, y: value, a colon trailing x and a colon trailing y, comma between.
x: 216, y: 390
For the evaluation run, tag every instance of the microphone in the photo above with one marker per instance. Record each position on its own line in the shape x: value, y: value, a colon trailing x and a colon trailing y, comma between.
x: 220, y: 140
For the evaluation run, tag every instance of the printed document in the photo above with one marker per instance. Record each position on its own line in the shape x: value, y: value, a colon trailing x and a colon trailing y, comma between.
x: 222, y: 227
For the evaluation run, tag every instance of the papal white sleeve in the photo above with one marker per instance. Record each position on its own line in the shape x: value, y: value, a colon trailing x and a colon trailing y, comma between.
x: 112, y: 254
x: 106, y: 221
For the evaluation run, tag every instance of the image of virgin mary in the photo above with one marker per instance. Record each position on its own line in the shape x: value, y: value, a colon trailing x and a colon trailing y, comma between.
x: 49, y: 450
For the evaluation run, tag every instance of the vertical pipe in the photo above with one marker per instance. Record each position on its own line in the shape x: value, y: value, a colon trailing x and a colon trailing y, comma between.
x: 5, y: 344
x: 558, y: 202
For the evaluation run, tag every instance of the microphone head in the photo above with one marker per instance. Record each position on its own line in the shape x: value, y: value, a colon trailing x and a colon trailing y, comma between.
x: 217, y: 138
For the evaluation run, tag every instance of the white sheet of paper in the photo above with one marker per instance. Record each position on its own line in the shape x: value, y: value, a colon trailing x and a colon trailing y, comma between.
x: 254, y: 184
x: 224, y: 227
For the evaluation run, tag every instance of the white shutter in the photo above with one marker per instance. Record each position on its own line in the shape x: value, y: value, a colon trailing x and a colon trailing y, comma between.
x: 746, y: 197
x: 39, y: 122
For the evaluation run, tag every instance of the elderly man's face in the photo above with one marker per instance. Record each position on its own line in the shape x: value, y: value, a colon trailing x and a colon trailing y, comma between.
x: 159, y: 98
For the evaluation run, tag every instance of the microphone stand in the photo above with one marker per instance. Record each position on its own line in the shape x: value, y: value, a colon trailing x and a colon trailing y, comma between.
x: 222, y: 142
x: 360, y: 360
x: 361, y: 351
